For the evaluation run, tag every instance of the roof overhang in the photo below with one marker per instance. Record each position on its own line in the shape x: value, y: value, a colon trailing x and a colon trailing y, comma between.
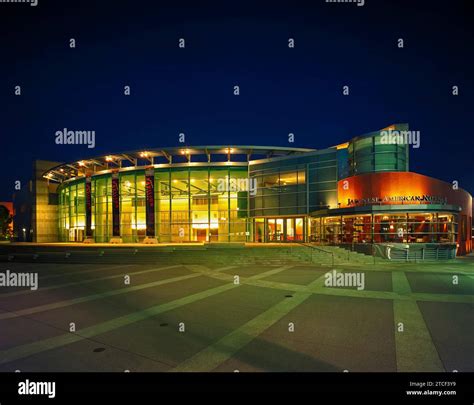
x: 173, y: 157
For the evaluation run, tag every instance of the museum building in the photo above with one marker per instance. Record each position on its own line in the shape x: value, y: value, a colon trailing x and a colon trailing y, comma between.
x: 359, y: 193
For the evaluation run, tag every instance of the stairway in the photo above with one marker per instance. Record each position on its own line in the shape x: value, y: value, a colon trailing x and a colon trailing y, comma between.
x: 166, y: 255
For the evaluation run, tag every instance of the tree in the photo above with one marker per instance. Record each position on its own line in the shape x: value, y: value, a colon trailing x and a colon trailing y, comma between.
x: 5, y: 221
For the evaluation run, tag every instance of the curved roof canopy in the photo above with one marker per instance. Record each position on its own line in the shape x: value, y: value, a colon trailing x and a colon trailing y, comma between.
x: 167, y: 156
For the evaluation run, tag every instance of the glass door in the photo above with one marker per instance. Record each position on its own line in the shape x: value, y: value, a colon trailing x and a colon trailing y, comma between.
x: 299, y: 229
x: 275, y: 230
x: 259, y: 230
x: 290, y: 230
x: 280, y: 235
x: 285, y: 229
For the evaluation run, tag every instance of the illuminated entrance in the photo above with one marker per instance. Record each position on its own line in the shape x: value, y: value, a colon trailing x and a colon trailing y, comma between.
x: 279, y: 229
x: 76, y: 234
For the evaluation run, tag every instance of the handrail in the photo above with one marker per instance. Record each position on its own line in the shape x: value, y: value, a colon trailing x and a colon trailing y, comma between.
x: 305, y: 244
x: 422, y: 251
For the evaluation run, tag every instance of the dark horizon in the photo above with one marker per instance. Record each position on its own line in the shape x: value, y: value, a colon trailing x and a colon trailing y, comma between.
x: 190, y: 90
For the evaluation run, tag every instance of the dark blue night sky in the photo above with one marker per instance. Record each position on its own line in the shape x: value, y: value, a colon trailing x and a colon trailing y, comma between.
x: 235, y: 43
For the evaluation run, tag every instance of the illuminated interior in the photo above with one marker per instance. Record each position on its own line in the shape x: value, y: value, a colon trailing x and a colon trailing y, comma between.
x: 189, y: 206
x: 382, y: 228
x: 358, y: 192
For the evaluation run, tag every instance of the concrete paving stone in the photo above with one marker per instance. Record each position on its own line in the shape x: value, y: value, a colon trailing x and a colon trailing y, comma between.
x: 301, y: 275
x: 374, y: 281
x: 81, y: 357
x: 91, y: 272
x: 42, y: 297
x: 331, y: 334
x: 47, y: 278
x: 205, y: 322
x: 440, y: 283
x: 22, y: 330
x: 48, y: 269
x: 249, y: 270
x: 91, y: 313
x: 451, y: 326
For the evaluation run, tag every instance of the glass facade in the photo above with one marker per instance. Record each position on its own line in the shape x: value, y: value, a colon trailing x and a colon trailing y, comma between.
x: 295, y: 186
x: 288, y: 189
x: 207, y: 204
x: 371, y: 153
x: 101, y: 191
x: 280, y: 229
x: 71, y: 212
x: 280, y: 190
x: 210, y: 194
x: 381, y: 228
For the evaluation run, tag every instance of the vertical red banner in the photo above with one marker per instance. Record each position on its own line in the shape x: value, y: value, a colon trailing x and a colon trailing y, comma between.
x: 150, y: 202
x: 88, y: 207
x: 115, y: 205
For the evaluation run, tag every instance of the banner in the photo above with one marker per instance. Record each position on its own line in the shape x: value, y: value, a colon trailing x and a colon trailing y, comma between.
x: 115, y: 205
x: 150, y: 202
x: 88, y: 208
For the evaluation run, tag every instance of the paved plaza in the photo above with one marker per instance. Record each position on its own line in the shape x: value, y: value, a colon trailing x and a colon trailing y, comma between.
x: 185, y: 317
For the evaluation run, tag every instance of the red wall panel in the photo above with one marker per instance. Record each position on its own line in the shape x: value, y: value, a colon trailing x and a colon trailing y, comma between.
x: 391, y: 184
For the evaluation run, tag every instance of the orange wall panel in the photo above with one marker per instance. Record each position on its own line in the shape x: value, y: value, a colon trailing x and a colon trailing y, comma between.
x: 397, y: 184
